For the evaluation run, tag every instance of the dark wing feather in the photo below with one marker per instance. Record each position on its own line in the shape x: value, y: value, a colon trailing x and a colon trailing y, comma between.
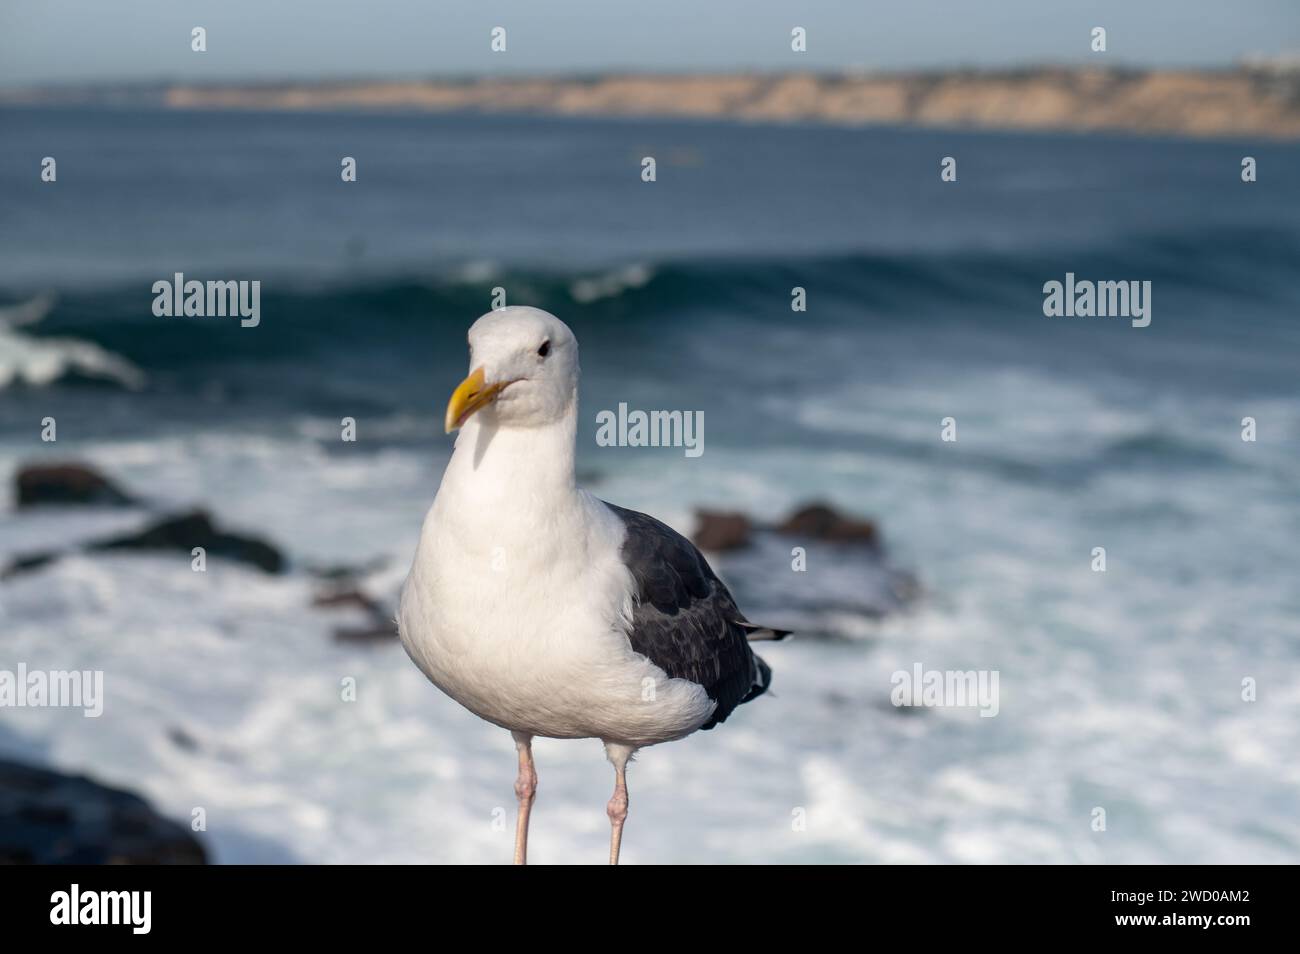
x: 685, y: 621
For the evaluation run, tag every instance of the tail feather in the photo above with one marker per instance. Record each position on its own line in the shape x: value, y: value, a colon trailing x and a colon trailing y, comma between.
x: 762, y: 679
x: 756, y: 634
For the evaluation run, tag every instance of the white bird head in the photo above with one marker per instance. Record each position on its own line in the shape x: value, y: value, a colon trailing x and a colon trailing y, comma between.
x: 523, y: 370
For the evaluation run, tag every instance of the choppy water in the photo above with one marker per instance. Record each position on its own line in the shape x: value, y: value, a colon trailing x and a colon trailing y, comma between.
x: 1120, y: 690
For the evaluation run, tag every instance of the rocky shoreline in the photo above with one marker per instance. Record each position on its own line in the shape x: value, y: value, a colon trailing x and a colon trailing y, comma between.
x: 1245, y: 101
x: 48, y: 817
x: 740, y: 545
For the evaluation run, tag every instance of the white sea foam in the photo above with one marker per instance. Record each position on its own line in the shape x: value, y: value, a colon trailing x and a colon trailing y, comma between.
x: 610, y: 284
x: 39, y: 362
x: 1119, y: 690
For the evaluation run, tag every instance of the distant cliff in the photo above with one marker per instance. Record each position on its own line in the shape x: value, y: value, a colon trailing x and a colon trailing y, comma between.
x: 1238, y: 102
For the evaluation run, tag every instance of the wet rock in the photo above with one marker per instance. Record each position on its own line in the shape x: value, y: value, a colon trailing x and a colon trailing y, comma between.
x: 344, y: 598
x: 346, y: 572
x: 186, y: 531
x: 720, y: 531
x: 380, y: 625
x: 839, y: 583
x: 379, y: 633
x: 820, y: 521
x: 50, y: 818
x: 182, y: 739
x: 23, y: 564
x: 64, y: 484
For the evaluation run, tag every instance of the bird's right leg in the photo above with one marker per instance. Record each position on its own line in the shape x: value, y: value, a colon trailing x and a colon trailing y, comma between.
x: 525, y: 789
x: 619, y: 756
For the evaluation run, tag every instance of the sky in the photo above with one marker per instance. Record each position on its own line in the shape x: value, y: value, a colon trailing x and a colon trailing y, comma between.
x: 77, y: 41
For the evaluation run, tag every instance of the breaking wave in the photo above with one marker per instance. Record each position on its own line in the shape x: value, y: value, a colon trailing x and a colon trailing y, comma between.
x: 111, y: 334
x: 34, y: 361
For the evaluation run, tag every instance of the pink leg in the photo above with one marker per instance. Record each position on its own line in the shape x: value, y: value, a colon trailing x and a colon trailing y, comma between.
x: 525, y: 789
x: 617, y: 807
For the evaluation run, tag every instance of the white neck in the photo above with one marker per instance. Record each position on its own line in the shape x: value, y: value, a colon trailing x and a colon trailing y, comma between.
x: 497, y: 469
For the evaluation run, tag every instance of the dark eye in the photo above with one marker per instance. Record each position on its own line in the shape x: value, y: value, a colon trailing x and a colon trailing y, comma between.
x: 545, y: 349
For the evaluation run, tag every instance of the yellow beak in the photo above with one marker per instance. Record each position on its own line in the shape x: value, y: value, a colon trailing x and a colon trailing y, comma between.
x: 470, y: 395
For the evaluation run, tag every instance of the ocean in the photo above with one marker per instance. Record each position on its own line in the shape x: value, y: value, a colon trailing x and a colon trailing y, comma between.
x: 1120, y: 690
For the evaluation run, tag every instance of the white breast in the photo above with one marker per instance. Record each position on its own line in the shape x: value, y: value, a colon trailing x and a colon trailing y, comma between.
x: 519, y: 611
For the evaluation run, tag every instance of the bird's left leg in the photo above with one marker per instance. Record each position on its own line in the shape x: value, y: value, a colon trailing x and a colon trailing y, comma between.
x: 525, y: 789
x: 619, y: 755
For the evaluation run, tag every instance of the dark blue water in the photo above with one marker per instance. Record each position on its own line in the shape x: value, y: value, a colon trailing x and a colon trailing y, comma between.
x: 924, y: 302
x: 361, y: 280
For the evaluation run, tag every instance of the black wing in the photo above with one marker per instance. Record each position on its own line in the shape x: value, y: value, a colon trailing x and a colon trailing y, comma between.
x: 684, y: 620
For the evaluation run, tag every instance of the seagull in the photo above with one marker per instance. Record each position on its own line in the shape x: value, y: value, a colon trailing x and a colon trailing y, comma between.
x: 546, y: 611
